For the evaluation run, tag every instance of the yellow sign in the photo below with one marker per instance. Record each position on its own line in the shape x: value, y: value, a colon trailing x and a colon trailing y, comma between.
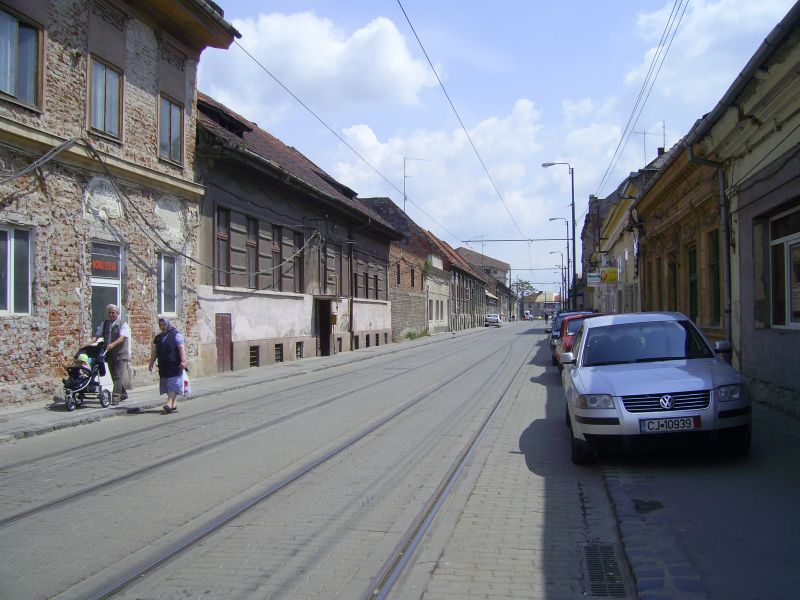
x: 609, y: 275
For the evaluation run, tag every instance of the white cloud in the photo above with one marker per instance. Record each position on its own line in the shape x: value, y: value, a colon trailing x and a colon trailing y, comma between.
x: 322, y: 64
x: 704, y: 59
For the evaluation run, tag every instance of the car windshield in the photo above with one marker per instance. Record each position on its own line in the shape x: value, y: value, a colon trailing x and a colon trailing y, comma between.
x: 644, y: 342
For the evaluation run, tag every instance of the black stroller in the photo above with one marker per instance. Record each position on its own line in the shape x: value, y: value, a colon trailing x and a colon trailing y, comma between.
x: 92, y: 382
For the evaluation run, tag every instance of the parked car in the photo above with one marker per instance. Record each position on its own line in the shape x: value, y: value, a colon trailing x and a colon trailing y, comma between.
x: 492, y: 320
x: 650, y: 378
x: 555, y: 331
x: 570, y: 326
x: 528, y: 316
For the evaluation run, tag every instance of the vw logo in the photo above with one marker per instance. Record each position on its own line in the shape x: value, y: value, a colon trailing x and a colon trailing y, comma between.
x: 666, y: 402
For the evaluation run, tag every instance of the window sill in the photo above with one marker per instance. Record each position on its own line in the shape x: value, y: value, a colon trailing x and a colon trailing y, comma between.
x: 105, y: 136
x: 16, y: 102
x: 253, y: 292
x: 171, y: 163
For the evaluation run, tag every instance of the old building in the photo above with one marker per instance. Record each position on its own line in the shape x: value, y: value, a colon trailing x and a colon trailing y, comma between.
x: 419, y: 287
x: 467, y: 290
x: 499, y: 296
x: 99, y: 201
x: 751, y: 141
x: 294, y: 264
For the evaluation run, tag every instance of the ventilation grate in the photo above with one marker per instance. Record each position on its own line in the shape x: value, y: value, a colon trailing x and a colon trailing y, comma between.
x: 602, y: 570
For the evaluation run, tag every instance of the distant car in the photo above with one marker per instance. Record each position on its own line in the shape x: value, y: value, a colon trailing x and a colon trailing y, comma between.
x: 528, y: 316
x: 569, y: 329
x: 650, y: 378
x: 555, y: 331
x: 492, y: 320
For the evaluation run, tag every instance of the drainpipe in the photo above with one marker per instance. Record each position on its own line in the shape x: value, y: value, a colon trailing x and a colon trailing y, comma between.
x: 725, y: 226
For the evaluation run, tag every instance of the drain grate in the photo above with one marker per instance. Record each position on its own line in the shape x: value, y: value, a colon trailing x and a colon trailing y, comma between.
x: 605, y: 579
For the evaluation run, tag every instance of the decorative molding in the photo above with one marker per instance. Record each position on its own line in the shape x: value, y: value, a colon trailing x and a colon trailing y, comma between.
x: 174, y: 56
x: 111, y: 15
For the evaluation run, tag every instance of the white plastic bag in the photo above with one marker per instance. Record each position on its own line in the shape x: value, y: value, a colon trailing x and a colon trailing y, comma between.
x: 187, y: 386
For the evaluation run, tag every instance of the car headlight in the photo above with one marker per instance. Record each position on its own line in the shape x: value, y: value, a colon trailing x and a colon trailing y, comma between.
x: 595, y: 401
x: 731, y: 393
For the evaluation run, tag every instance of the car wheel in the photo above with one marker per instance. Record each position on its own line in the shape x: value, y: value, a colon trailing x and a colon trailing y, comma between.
x: 105, y: 398
x: 741, y: 445
x: 581, y: 453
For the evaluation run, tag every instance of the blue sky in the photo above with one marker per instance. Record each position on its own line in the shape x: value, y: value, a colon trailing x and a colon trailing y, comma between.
x: 532, y: 82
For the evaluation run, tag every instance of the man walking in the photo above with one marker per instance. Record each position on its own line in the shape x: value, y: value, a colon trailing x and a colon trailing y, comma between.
x: 115, y: 332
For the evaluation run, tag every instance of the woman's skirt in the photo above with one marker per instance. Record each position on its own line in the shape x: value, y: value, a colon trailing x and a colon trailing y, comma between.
x: 171, y: 384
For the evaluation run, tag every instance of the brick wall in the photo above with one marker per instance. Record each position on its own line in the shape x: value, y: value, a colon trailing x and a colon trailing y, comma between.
x: 52, y: 203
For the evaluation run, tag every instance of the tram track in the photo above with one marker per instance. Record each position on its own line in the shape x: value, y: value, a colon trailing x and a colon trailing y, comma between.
x: 195, y: 451
x: 211, y: 414
x: 107, y: 584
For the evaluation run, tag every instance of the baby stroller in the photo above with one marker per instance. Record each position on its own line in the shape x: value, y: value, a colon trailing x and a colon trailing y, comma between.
x: 94, y: 382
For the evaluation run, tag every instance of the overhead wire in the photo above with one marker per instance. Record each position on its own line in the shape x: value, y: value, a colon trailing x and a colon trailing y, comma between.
x: 669, y: 33
x: 460, y: 121
x: 340, y: 138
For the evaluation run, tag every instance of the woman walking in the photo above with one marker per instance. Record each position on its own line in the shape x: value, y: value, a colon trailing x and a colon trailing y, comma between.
x: 169, y: 350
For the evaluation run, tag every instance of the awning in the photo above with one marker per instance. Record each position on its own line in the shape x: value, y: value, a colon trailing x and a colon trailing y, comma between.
x: 490, y: 295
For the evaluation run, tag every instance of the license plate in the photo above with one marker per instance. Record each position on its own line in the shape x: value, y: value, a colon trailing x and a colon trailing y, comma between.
x: 669, y: 425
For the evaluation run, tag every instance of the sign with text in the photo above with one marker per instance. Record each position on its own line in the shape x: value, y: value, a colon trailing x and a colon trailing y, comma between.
x: 609, y: 275
x: 593, y: 279
x: 105, y: 261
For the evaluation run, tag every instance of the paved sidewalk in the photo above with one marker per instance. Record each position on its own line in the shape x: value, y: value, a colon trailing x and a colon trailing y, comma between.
x: 44, y: 417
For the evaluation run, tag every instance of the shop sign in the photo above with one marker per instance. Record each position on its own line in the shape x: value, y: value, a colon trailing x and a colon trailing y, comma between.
x: 593, y: 279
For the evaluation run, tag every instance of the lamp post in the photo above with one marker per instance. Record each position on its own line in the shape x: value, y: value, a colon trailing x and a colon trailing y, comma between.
x: 574, y: 255
x: 566, y: 224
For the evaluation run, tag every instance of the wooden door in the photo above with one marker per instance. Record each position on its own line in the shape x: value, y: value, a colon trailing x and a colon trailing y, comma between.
x: 224, y: 343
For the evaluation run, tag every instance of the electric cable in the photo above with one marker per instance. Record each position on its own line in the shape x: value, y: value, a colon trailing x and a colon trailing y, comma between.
x: 469, y: 138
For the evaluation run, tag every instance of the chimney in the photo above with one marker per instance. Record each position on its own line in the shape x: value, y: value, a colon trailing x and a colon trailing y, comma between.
x: 660, y: 151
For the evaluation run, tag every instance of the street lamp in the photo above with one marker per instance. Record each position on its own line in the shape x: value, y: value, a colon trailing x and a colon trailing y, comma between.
x: 566, y: 224
x: 574, y: 255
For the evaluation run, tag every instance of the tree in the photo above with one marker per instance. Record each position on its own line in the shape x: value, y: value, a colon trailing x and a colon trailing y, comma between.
x: 522, y: 288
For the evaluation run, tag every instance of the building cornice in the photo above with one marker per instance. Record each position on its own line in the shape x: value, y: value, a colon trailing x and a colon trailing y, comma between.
x: 36, y: 141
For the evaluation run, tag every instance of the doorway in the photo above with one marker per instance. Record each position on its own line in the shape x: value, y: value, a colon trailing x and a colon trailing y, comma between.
x: 322, y: 310
x: 224, y: 342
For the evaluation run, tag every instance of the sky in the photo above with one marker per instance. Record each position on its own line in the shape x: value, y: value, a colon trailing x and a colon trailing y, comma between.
x: 516, y: 84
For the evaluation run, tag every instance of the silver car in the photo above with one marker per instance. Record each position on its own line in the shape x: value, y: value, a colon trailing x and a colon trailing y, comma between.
x: 650, y: 378
x: 493, y: 320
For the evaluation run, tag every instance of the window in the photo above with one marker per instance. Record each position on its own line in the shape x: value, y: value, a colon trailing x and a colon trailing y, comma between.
x: 223, y: 249
x: 377, y: 291
x: 255, y: 356
x: 251, y: 254
x: 106, y: 99
x: 106, y: 280
x: 277, y: 258
x: 299, y: 273
x: 714, y: 273
x: 397, y: 267
x: 785, y: 268
x: 430, y: 310
x: 167, y: 284
x: 692, y: 260
x: 413, y: 280
x: 278, y: 353
x: 19, y: 59
x: 170, y: 138
x: 298, y: 349
x: 15, y: 271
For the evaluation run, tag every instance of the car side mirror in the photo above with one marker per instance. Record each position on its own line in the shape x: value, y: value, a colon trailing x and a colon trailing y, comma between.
x: 722, y: 347
x: 567, y: 358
